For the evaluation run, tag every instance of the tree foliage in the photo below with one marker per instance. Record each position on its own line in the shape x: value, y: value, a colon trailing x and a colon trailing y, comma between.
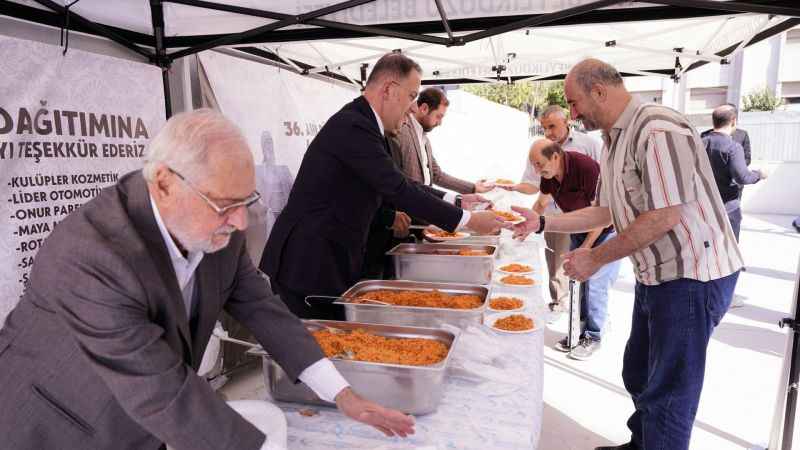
x: 762, y: 100
x: 525, y: 96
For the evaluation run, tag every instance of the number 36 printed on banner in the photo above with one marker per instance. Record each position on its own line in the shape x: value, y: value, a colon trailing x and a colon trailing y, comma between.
x: 296, y: 129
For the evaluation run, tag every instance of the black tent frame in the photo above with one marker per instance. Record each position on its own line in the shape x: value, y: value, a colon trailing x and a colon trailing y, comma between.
x: 155, y: 48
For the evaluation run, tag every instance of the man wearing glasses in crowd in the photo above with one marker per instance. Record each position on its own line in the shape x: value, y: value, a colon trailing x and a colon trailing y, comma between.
x: 102, y: 350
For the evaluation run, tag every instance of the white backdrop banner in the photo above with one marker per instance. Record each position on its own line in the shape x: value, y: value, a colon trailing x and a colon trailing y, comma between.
x: 69, y: 126
x: 279, y: 112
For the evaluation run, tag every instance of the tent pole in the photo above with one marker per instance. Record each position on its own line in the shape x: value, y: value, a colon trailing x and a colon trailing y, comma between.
x: 95, y: 27
x: 539, y: 20
x: 366, y: 58
x: 161, y: 59
x: 731, y: 6
x: 769, y: 32
x: 288, y: 20
x: 445, y: 23
x: 361, y: 30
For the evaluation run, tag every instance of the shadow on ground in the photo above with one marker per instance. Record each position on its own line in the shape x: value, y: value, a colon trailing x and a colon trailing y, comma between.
x: 559, y: 432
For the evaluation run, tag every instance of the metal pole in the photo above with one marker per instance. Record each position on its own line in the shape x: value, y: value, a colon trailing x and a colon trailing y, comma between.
x: 539, y: 20
x: 161, y: 59
x: 96, y: 27
x: 783, y: 421
x: 574, y: 323
x: 731, y: 7
x: 443, y: 15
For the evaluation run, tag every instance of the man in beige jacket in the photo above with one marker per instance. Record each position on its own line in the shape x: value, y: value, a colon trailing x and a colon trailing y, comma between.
x: 411, y: 149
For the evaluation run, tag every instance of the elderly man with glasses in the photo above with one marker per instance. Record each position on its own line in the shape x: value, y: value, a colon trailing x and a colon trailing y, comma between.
x: 102, y: 350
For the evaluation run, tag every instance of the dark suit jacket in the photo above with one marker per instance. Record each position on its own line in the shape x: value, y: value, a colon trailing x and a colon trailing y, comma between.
x: 99, y: 353
x: 405, y: 153
x: 317, y: 244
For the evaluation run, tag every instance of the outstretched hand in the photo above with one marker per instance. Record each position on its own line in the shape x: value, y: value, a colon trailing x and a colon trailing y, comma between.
x: 530, y: 225
x: 388, y: 421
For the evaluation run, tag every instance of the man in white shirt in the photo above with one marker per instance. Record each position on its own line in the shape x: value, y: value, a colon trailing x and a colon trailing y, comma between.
x: 103, y: 348
x: 555, y: 121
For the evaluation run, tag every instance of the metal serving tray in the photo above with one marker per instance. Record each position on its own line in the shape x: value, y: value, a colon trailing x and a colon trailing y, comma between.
x: 414, y: 315
x: 481, y: 239
x: 411, y: 389
x: 417, y: 262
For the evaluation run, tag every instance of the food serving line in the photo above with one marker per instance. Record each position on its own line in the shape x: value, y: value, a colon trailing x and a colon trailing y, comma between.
x: 487, y: 391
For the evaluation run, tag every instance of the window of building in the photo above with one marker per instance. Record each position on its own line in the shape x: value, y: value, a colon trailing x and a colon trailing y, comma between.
x: 790, y: 91
x: 650, y: 96
x: 706, y: 99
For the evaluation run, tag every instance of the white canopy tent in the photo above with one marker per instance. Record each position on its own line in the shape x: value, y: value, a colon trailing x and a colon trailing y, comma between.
x: 456, y: 41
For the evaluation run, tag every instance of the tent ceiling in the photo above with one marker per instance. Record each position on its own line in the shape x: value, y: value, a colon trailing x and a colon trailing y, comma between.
x: 454, y: 40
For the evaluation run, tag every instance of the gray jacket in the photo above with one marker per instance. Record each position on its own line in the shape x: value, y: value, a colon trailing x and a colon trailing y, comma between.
x: 99, y: 353
x: 405, y: 153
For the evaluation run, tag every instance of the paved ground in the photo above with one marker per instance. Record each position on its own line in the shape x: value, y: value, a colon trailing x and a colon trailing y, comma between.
x: 586, y: 404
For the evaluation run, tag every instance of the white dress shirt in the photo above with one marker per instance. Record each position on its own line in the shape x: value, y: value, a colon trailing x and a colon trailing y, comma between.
x: 449, y: 197
x: 322, y: 376
x: 423, y: 154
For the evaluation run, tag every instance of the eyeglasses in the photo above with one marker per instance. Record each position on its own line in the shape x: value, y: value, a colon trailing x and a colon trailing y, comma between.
x: 251, y: 199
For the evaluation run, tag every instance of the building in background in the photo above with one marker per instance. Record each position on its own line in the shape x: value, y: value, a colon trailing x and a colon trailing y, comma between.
x: 771, y: 63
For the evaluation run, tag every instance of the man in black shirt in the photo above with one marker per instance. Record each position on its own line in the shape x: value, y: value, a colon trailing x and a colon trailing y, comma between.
x: 739, y: 135
x: 728, y: 163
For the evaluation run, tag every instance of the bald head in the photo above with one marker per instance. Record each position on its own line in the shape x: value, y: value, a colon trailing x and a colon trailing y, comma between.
x: 723, y: 116
x: 545, y: 156
x: 595, y: 93
x: 590, y: 72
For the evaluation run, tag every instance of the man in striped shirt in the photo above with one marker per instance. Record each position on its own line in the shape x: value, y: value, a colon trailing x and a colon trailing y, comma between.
x: 657, y: 188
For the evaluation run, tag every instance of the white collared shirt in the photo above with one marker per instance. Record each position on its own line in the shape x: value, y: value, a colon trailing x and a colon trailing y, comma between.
x: 322, y: 377
x: 449, y: 197
x: 184, y: 267
x: 423, y: 154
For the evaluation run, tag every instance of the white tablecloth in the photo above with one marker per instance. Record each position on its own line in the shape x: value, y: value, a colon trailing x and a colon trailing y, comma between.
x: 474, y: 414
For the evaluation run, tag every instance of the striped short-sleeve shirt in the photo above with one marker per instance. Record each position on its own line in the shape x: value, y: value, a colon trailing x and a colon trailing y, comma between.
x: 655, y: 159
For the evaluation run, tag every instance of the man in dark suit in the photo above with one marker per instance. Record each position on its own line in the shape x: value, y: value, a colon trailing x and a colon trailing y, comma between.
x: 318, y: 242
x: 102, y: 350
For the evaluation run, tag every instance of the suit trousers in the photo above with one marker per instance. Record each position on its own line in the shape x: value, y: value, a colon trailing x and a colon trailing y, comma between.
x: 559, y: 283
x: 268, y: 418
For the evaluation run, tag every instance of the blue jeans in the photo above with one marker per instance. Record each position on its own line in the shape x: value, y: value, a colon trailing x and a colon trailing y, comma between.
x: 665, y: 358
x: 594, y: 291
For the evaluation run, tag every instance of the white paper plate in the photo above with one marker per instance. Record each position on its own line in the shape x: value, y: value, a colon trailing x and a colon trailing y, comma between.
x: 500, y: 269
x: 489, y: 304
x: 500, y: 280
x: 461, y: 235
x: 496, y: 183
x: 490, y: 319
x: 514, y: 222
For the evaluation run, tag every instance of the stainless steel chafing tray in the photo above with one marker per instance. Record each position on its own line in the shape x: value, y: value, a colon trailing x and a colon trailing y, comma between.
x: 413, y: 315
x: 441, y: 262
x: 411, y: 389
x: 481, y: 239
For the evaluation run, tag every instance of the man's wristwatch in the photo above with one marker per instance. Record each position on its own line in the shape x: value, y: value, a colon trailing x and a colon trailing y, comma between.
x: 541, y: 225
x: 458, y: 201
